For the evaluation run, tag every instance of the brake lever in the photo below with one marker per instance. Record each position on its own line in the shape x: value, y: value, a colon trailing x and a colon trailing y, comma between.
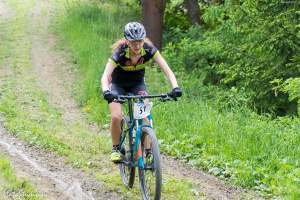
x: 167, y: 98
x: 119, y: 100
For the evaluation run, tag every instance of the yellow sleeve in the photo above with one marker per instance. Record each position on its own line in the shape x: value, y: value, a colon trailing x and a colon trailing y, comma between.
x: 113, y: 62
x: 155, y: 55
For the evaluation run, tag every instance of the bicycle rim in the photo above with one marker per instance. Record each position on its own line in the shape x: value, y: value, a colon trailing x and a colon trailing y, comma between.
x: 151, y: 179
x: 126, y: 171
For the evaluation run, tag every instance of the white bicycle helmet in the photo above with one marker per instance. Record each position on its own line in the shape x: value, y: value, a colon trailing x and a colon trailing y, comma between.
x: 134, y: 31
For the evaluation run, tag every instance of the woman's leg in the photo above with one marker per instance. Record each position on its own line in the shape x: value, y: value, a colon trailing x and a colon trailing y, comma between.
x: 116, y: 115
x: 115, y: 125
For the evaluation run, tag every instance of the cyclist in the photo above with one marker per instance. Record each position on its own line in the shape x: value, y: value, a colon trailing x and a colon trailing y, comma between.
x: 124, y: 73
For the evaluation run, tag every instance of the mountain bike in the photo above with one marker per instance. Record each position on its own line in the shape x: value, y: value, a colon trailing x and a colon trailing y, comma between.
x: 139, y: 145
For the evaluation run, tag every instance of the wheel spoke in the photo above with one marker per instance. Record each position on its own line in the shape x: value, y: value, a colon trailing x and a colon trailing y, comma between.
x: 126, y: 171
x: 150, y: 182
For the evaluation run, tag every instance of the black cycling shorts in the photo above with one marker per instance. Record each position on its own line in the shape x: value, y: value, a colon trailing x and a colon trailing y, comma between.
x: 136, y: 89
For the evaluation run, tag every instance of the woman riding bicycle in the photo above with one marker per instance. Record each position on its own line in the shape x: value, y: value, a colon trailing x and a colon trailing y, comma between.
x: 124, y: 73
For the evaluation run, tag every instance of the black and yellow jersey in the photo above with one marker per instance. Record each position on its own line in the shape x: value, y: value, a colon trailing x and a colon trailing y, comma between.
x: 125, y: 71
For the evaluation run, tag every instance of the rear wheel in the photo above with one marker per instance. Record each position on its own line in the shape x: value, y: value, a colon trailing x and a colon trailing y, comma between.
x: 127, y: 171
x: 150, y: 177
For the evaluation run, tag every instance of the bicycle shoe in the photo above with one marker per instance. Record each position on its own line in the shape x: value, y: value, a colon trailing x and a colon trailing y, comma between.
x: 116, y: 156
x: 149, y: 158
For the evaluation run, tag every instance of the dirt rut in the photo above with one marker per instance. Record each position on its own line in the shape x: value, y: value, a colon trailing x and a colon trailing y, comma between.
x: 47, y: 172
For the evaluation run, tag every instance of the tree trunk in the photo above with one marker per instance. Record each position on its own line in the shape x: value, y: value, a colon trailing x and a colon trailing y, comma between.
x: 193, y: 11
x: 153, y: 14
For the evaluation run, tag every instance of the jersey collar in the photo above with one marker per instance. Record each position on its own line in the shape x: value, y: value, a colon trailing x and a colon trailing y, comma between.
x: 143, y: 52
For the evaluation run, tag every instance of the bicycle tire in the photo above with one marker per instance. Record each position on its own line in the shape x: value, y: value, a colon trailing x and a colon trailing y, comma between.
x: 127, y: 172
x: 151, y: 190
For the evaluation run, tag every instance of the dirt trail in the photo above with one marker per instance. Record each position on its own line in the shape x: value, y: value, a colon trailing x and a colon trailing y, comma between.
x: 54, y: 74
x: 5, y: 13
x: 49, y: 174
x: 206, y: 184
x: 53, y: 178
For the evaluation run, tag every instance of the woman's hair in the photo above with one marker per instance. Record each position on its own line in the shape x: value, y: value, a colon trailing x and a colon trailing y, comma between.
x: 117, y: 44
x: 122, y: 41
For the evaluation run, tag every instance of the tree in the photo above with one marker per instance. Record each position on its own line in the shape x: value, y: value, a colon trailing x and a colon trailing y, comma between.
x: 193, y: 11
x: 153, y: 14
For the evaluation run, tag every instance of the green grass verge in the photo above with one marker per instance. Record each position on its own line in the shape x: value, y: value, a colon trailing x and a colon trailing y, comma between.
x: 89, y: 31
x: 236, y: 144
x: 13, y: 188
x: 250, y: 150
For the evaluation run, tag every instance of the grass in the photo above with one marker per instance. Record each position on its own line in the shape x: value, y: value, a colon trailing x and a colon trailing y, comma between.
x: 89, y: 32
x: 11, y: 186
x: 236, y: 144
x: 253, y: 151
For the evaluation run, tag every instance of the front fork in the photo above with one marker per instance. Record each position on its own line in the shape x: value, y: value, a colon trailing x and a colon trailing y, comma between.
x: 138, y: 157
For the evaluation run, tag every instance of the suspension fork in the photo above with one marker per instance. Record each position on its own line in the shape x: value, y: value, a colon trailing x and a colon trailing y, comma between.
x: 138, y: 157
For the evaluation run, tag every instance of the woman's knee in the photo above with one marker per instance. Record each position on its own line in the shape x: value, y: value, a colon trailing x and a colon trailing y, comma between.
x: 116, y: 117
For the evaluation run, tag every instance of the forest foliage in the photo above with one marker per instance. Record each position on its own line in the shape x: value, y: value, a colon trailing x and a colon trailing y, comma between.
x: 249, y: 47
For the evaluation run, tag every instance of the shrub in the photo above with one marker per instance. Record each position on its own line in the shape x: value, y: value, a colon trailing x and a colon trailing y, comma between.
x: 247, y: 46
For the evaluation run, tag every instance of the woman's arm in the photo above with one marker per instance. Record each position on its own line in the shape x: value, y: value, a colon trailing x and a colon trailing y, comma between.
x: 166, y: 69
x: 106, y: 77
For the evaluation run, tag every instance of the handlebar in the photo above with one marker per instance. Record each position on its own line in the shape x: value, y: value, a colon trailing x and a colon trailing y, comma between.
x: 162, y: 97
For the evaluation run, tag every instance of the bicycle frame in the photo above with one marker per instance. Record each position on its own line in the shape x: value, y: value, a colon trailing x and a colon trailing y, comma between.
x: 137, y: 125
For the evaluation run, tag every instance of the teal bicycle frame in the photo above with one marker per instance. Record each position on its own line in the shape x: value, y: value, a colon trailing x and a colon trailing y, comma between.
x: 135, y: 126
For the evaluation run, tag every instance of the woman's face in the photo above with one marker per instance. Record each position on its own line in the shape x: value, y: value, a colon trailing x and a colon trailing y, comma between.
x: 136, y: 46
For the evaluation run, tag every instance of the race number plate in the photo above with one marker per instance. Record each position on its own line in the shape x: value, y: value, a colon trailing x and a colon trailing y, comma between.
x: 142, y: 109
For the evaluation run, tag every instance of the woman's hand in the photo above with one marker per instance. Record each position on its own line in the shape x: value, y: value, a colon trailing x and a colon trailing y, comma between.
x: 176, y: 92
x: 109, y: 96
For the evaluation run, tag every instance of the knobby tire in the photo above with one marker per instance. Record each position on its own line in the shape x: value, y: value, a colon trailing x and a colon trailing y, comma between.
x: 127, y: 172
x: 151, y: 190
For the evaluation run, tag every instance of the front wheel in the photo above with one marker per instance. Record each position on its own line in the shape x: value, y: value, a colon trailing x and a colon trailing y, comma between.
x: 150, y: 177
x: 127, y: 171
